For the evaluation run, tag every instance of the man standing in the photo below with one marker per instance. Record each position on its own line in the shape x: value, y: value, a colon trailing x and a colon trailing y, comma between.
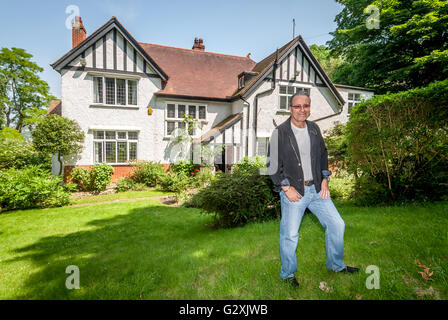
x: 298, y: 167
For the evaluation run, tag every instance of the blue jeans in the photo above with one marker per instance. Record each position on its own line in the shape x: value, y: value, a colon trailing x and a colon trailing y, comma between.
x: 328, y: 215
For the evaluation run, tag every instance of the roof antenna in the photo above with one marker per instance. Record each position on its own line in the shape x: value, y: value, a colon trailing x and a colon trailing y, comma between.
x: 293, y: 28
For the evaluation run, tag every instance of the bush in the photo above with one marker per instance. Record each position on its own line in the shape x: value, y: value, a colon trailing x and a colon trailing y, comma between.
x: 185, y: 167
x: 16, y: 152
x: 342, y: 187
x: 31, y: 187
x: 398, y: 145
x: 100, y: 176
x: 81, y: 177
x: 148, y: 172
x: 124, y: 184
x: 250, y: 164
x: 96, y: 179
x: 238, y: 198
x: 337, y: 147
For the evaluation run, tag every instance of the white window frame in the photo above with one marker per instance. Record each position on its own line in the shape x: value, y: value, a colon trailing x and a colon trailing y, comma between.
x: 116, y: 91
x: 353, y: 101
x: 176, y: 119
x: 116, y: 140
x: 296, y: 88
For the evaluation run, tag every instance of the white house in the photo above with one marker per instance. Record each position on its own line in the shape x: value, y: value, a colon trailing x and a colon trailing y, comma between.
x: 129, y: 97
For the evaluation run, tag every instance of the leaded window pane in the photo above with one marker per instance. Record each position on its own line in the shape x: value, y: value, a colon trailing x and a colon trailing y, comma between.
x: 110, y: 135
x: 282, y: 102
x: 111, y: 151
x: 170, y: 126
x: 122, y: 152
x: 181, y: 125
x: 98, y: 134
x: 110, y: 90
x: 192, y: 111
x: 283, y: 89
x: 181, y: 111
x: 132, y: 150
x: 121, y: 135
x: 132, y: 135
x: 98, y: 89
x: 350, y: 96
x: 132, y: 92
x: 201, y: 112
x: 121, y: 91
x: 98, y: 152
x: 171, y: 112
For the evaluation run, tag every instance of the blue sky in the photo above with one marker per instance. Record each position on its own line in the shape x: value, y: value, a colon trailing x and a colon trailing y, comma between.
x: 234, y: 27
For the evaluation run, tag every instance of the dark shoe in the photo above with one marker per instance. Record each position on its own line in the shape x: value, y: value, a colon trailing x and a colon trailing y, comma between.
x: 292, y: 282
x: 349, y: 269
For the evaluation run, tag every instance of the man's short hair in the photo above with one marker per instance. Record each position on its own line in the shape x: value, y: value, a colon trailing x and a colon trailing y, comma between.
x: 300, y: 93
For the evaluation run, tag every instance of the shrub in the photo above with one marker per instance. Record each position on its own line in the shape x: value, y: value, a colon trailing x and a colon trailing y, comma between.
x: 250, y: 164
x: 342, y: 187
x: 96, y: 179
x: 16, y: 152
x: 148, y: 172
x: 124, y: 184
x: 398, y: 143
x: 31, y: 187
x: 100, y: 176
x: 337, y: 147
x: 186, y: 167
x: 179, y: 183
x: 81, y: 177
x: 238, y: 198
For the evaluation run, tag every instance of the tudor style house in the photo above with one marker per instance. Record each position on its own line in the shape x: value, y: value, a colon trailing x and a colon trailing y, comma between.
x: 129, y: 97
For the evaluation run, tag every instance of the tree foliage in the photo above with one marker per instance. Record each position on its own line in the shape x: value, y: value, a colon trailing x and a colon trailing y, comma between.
x: 24, y: 97
x: 58, y: 135
x: 329, y: 62
x: 408, y: 50
x: 398, y: 143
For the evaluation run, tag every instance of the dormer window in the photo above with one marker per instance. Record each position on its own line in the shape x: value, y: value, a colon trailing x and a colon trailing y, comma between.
x: 240, y: 82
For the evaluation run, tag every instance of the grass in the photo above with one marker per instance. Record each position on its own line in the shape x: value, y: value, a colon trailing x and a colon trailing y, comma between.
x: 145, y: 250
x: 119, y: 196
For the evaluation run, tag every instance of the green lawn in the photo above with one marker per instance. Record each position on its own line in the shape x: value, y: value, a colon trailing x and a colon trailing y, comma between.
x: 119, y: 196
x: 145, y: 250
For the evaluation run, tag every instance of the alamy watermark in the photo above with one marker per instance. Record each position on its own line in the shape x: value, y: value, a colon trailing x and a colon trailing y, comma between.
x: 72, y: 281
x: 373, y: 20
x: 73, y: 11
x: 373, y: 280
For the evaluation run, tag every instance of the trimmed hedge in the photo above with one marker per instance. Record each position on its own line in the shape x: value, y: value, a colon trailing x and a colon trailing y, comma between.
x: 398, y: 145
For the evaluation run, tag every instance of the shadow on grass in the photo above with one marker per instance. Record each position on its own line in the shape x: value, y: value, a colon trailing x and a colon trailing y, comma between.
x: 154, y: 252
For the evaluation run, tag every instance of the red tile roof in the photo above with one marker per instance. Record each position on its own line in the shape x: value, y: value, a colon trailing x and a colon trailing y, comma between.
x: 198, y: 73
x: 55, y: 107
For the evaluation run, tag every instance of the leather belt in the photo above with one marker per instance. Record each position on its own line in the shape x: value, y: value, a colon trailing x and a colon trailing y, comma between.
x: 309, y: 183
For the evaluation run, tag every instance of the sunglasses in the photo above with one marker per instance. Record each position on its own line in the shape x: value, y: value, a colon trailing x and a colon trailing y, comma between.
x: 298, y: 106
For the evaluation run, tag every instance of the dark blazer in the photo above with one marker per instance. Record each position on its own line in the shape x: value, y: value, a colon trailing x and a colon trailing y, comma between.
x: 283, y: 161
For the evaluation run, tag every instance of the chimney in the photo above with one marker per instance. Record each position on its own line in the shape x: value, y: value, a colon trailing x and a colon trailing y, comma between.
x: 78, y: 32
x: 198, y: 44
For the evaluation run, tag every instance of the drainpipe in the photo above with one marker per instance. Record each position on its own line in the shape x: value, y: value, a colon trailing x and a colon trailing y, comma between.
x: 247, y: 125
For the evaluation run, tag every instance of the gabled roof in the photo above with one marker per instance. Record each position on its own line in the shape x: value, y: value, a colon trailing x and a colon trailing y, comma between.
x: 94, y: 37
x: 265, y: 67
x: 55, y: 107
x: 198, y: 73
x: 219, y: 128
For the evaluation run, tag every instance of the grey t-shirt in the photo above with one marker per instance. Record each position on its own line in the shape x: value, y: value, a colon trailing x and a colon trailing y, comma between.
x: 303, y: 141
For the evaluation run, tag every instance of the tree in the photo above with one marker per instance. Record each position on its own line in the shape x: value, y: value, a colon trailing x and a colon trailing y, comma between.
x: 24, y: 97
x: 330, y: 63
x: 409, y: 48
x: 58, y: 135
